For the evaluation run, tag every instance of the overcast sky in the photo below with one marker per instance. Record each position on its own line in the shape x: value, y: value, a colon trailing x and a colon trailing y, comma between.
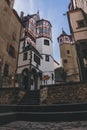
x: 51, y: 10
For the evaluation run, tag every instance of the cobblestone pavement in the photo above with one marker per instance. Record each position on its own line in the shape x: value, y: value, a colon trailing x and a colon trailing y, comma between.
x: 23, y: 125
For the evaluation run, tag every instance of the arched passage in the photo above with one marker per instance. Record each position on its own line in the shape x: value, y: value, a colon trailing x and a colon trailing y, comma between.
x: 25, y: 78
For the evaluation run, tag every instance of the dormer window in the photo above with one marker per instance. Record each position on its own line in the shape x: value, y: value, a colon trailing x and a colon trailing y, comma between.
x: 61, y: 39
x: 66, y: 39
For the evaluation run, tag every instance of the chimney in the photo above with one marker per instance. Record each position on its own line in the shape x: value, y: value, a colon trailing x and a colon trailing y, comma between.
x: 21, y: 14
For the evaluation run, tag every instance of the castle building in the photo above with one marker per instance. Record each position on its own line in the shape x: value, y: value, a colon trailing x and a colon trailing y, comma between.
x: 44, y: 46
x: 35, y: 58
x: 74, y: 4
x: 10, y: 33
x: 68, y: 57
x: 77, y: 18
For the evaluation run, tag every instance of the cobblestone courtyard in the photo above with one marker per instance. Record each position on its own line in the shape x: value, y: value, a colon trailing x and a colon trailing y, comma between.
x: 23, y: 125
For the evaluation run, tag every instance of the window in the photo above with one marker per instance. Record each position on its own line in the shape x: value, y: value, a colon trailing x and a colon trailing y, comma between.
x: 65, y: 61
x: 45, y: 30
x: 37, y: 59
x: 66, y: 38
x: 81, y: 23
x: 11, y: 51
x: 46, y: 42
x: 61, y: 39
x: 6, y: 69
x: 40, y: 30
x: 47, y: 57
x: 68, y: 51
x: 25, y: 56
x: 32, y: 28
x: 39, y: 23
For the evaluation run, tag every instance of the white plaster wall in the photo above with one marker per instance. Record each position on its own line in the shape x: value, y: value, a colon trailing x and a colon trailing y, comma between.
x: 47, y: 65
x: 22, y: 62
x: 44, y: 49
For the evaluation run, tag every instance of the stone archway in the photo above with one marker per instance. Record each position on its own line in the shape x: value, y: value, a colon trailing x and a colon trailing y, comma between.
x: 24, y: 79
x: 35, y: 77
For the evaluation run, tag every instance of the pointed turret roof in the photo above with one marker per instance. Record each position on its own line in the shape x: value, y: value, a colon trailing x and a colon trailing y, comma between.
x: 62, y: 34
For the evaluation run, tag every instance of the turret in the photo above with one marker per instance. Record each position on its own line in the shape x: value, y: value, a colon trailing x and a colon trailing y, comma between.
x: 68, y: 56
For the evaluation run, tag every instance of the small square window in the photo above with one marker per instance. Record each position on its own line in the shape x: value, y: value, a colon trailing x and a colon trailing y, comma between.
x: 68, y: 51
x: 47, y: 58
x: 46, y: 42
x: 81, y: 23
x: 37, y: 59
x: 65, y: 61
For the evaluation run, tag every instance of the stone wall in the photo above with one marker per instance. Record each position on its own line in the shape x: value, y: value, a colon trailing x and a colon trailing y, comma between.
x: 11, y: 95
x: 64, y: 93
x: 10, y: 32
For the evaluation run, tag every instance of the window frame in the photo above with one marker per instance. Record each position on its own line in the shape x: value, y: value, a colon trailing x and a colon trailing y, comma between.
x: 68, y: 51
x: 25, y: 56
x: 47, y: 58
x: 65, y: 61
x: 81, y: 23
x: 37, y: 59
x: 46, y: 42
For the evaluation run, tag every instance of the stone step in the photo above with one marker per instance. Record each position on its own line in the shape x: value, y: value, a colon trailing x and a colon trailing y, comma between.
x: 6, y: 118
x: 44, y: 108
x: 42, y: 116
x: 52, y: 116
x: 52, y: 108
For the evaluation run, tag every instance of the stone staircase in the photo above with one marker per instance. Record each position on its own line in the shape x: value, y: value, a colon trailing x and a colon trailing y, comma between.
x: 19, y: 96
x: 60, y: 112
x: 31, y: 98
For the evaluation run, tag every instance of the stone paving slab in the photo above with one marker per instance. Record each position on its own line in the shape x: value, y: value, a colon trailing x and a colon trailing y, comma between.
x: 24, y: 125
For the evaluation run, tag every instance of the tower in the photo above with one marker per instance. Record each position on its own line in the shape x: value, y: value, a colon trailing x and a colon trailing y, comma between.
x: 78, y: 27
x: 45, y: 47
x: 68, y: 56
